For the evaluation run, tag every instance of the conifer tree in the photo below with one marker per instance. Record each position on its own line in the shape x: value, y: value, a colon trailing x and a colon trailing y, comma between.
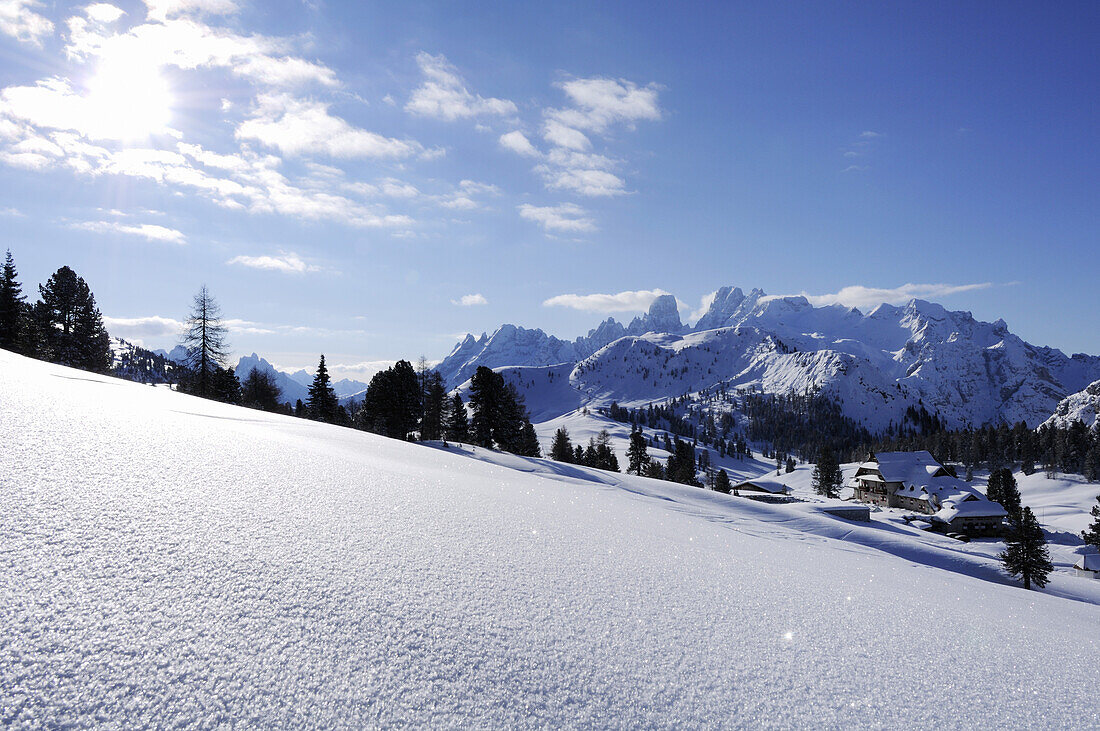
x: 1026, y: 554
x: 392, y: 404
x: 70, y: 325
x: 578, y: 455
x: 205, y: 341
x: 655, y: 470
x: 1091, y: 535
x: 458, y: 426
x: 11, y: 305
x: 561, y: 449
x: 637, y: 455
x: 827, y: 477
x: 722, y: 482
x: 435, y: 402
x: 485, y: 400
x: 322, y: 403
x: 260, y: 391
x: 1002, y: 489
x: 528, y: 441
x: 225, y: 386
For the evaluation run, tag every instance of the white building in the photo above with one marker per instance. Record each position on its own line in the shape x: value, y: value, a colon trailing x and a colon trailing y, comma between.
x: 916, y: 481
x: 1088, y: 565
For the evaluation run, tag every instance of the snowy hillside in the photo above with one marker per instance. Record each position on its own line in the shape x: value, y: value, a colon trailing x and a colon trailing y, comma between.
x: 1081, y: 406
x: 874, y: 365
x: 135, y: 363
x: 171, y: 558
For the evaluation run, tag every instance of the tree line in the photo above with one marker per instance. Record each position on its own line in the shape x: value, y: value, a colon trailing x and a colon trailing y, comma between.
x: 64, y: 325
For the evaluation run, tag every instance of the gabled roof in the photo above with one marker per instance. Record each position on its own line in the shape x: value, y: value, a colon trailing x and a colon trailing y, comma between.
x: 1088, y: 561
x: 912, y: 467
x: 772, y: 486
x: 921, y: 477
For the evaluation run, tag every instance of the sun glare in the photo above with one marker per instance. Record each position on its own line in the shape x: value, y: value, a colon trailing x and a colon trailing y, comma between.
x: 128, y: 98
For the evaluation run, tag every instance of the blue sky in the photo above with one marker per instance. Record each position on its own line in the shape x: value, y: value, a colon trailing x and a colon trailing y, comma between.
x: 371, y: 180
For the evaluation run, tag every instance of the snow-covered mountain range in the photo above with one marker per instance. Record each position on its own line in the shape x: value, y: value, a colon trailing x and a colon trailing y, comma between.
x: 875, y: 365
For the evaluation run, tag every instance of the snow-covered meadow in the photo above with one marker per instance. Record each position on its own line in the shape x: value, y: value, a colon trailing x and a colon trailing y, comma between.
x: 166, y: 560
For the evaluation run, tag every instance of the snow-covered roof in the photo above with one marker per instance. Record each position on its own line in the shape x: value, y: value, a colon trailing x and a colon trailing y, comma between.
x: 923, y: 478
x: 979, y: 508
x: 772, y: 486
x: 1089, y: 562
x: 910, y: 467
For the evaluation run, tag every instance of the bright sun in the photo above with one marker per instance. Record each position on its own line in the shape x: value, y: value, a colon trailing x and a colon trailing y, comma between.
x: 128, y: 98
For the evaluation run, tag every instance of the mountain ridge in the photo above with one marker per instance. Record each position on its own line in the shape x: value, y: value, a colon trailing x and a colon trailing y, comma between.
x: 876, y: 365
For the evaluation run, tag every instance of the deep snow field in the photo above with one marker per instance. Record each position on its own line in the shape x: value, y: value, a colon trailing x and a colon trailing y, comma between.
x: 166, y: 560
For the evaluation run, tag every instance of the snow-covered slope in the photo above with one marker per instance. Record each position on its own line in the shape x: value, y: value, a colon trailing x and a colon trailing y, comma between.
x: 170, y: 558
x: 875, y: 365
x: 1081, y: 406
x: 135, y: 363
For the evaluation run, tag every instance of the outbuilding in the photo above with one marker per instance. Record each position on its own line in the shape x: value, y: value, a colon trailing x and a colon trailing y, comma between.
x: 1088, y: 565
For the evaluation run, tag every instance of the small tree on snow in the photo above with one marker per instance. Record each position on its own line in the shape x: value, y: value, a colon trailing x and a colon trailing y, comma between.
x: 1091, y: 535
x: 637, y: 454
x: 1026, y: 554
x: 205, y: 342
x: 827, y: 477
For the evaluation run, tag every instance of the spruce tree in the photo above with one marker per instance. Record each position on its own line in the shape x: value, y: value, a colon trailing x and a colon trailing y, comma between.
x: 11, y: 305
x: 1002, y: 489
x: 205, y: 341
x: 225, y: 387
x: 1091, y: 535
x: 260, y: 391
x: 561, y: 449
x: 637, y: 455
x: 92, y: 341
x: 827, y: 477
x: 458, y: 426
x: 434, y: 402
x: 69, y: 324
x: 322, y: 403
x: 1026, y: 553
x: 528, y: 441
x: 722, y: 482
x: 485, y: 398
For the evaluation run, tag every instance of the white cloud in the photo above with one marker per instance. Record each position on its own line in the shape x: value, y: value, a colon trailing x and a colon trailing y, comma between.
x: 565, y: 218
x: 592, y: 183
x: 472, y: 187
x: 629, y: 301
x: 868, y: 297
x: 444, y: 95
x: 136, y: 328
x: 286, y: 262
x: 470, y: 300
x: 561, y: 135
x: 869, y: 135
x: 20, y: 22
x: 162, y: 9
x: 286, y: 71
x: 147, y: 231
x: 300, y: 127
x: 103, y: 12
x: 599, y: 103
x: 518, y: 143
